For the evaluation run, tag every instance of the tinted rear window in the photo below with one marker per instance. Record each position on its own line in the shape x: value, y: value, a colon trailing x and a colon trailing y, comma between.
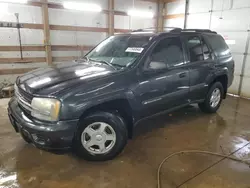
x: 218, y: 45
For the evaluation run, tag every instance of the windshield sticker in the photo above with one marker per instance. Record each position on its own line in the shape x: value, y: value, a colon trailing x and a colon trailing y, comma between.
x: 135, y: 50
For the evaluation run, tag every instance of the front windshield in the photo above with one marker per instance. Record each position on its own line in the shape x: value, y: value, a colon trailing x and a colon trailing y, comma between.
x: 120, y: 51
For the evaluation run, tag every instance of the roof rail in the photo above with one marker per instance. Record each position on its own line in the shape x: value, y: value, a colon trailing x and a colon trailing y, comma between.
x: 155, y: 28
x: 175, y: 29
x: 199, y: 30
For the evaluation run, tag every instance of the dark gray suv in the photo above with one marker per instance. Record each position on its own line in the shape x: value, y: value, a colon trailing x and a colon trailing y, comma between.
x: 93, y: 104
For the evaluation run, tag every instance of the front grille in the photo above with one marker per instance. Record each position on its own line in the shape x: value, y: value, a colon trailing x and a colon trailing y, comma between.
x: 23, y: 99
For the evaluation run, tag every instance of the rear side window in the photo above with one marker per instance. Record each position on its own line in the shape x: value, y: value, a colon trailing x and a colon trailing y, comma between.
x: 218, y: 45
x: 194, y: 45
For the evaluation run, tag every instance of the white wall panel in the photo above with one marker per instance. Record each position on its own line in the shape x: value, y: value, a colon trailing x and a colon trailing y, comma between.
x: 239, y: 38
x: 23, y: 65
x: 231, y: 20
x: 234, y: 88
x: 238, y: 63
x: 89, y: 38
x: 177, y: 7
x: 76, y: 38
x: 122, y: 22
x: 8, y: 36
x: 63, y: 37
x: 245, y: 91
x: 138, y: 23
x: 66, y: 53
x: 198, y: 21
x: 77, y: 18
x: 198, y: 6
x: 247, y: 67
x: 31, y: 36
x: 25, y: 54
x: 176, y: 22
x: 27, y: 14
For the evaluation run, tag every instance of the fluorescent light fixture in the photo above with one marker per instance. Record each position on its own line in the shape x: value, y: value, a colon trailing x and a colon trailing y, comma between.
x: 82, y: 6
x: 140, y: 13
x: 14, y: 1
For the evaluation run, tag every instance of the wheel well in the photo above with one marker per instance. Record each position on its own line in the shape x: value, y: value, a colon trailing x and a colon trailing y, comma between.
x: 120, y: 106
x: 224, y: 81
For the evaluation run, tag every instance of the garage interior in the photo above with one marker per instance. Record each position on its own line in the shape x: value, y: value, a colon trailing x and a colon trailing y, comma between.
x: 39, y: 33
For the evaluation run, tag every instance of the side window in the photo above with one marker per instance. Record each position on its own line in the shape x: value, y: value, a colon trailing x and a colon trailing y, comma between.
x: 167, y: 53
x: 195, y: 50
x: 206, y: 50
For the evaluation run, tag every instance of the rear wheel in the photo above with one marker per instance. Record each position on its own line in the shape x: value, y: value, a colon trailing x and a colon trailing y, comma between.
x: 100, y: 136
x: 213, y: 99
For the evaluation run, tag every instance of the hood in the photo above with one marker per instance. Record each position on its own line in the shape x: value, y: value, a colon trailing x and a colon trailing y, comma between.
x: 43, y: 78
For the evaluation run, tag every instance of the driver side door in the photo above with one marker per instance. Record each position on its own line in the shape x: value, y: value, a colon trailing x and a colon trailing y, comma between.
x: 163, y: 78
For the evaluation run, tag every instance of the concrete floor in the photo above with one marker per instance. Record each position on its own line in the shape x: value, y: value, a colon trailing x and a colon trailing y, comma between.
x: 22, y: 165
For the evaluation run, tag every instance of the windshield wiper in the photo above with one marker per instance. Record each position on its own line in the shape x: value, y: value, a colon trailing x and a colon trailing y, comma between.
x: 103, y: 62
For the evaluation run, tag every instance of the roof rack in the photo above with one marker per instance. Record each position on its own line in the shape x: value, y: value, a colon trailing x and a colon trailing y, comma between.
x: 175, y: 30
x: 199, y: 30
x: 155, y: 28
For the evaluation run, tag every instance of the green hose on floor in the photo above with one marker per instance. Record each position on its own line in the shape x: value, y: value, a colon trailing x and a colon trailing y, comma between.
x: 200, y: 152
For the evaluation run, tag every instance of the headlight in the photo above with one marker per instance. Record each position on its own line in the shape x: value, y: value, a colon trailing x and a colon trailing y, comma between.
x: 45, y: 108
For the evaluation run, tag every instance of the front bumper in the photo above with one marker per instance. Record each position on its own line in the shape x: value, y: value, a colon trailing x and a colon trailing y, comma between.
x: 56, y: 135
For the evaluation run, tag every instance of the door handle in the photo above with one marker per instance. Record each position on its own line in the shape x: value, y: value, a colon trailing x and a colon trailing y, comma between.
x: 182, y: 75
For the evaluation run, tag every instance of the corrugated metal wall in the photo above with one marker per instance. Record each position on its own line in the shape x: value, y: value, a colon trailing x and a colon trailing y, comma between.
x: 62, y: 17
x: 230, y: 18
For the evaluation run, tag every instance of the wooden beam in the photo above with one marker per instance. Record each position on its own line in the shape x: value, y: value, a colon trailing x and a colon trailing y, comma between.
x: 66, y: 58
x: 24, y: 48
x: 42, y: 48
x: 15, y: 71
x: 164, y: 1
x: 172, y: 16
x: 111, y: 18
x: 24, y: 60
x: 122, y: 30
x: 78, y: 28
x: 32, y: 26
x: 46, y: 31
x: 70, y: 48
x: 160, y: 16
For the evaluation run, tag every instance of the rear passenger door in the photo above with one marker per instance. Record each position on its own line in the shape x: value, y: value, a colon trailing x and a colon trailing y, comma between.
x: 201, y: 63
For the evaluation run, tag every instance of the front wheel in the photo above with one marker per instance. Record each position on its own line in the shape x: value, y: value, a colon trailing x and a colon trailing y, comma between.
x: 101, y: 136
x: 213, y: 99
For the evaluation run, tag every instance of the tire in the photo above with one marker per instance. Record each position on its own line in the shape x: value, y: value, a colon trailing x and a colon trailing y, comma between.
x: 208, y: 106
x: 115, y: 127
